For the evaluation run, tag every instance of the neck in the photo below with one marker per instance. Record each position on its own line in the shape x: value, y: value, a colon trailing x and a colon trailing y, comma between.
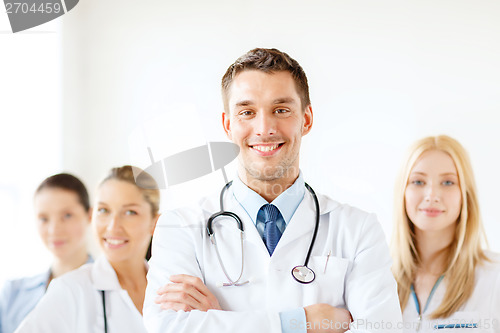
x: 433, y: 249
x: 61, y: 266
x: 269, y: 189
x: 131, y: 273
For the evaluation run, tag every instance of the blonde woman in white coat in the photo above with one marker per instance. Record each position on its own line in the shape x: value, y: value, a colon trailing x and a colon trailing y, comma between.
x: 106, y: 296
x: 446, y: 280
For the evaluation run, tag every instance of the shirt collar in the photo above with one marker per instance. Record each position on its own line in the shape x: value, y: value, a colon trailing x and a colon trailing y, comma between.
x: 287, y: 202
x: 38, y: 280
x: 104, y: 276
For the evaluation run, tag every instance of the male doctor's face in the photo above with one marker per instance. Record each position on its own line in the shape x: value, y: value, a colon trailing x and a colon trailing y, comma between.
x: 266, y: 120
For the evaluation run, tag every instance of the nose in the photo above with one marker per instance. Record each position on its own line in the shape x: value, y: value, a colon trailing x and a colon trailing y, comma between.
x: 432, y: 194
x: 113, y: 223
x: 54, y: 226
x: 266, y: 124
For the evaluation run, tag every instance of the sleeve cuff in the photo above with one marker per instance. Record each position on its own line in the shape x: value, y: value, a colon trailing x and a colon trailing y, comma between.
x: 293, y: 321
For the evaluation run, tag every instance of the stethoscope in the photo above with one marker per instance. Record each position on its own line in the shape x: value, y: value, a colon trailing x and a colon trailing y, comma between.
x: 301, y: 273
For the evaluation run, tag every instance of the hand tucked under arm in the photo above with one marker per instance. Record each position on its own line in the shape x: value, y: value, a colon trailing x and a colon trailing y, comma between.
x: 337, y: 319
x: 186, y: 293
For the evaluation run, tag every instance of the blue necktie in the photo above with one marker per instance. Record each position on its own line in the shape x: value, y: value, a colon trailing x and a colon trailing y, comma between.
x: 272, y: 234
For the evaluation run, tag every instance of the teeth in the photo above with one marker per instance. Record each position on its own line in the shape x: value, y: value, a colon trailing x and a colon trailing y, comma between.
x: 115, y: 241
x: 265, y: 148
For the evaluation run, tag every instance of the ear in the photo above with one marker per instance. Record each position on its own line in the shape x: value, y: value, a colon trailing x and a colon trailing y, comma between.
x: 308, y: 120
x: 226, y: 123
x: 153, y: 225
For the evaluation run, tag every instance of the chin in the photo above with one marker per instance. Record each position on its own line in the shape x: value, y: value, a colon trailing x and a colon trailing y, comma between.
x: 266, y: 173
x: 60, y: 252
x: 112, y: 253
x: 433, y: 228
x: 61, y: 255
x: 114, y: 258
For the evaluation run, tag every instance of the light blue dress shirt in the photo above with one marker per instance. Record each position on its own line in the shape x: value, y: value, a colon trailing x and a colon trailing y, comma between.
x: 18, y: 297
x: 287, y: 203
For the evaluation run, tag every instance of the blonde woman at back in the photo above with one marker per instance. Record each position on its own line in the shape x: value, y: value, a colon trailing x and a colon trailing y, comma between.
x: 447, y: 282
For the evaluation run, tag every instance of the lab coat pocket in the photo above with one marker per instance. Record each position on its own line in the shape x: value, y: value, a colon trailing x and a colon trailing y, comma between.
x: 328, y: 286
x: 463, y: 321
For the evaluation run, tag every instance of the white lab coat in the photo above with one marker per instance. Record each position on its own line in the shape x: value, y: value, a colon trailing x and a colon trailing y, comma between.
x: 482, y: 308
x: 357, y: 275
x: 73, y: 303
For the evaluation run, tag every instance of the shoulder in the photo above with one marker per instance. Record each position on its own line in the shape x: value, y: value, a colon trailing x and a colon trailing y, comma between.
x: 16, y: 286
x: 491, y: 265
x: 344, y: 212
x: 486, y: 294
x: 352, y: 225
x: 494, y: 258
x: 69, y: 291
x: 18, y: 297
x: 194, y: 214
x: 79, y: 278
x: 487, y: 273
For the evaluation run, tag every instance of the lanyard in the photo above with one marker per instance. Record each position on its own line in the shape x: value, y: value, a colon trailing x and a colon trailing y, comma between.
x: 417, y: 304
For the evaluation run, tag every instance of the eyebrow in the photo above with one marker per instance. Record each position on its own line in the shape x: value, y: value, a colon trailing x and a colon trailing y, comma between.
x: 443, y: 174
x: 127, y: 205
x: 131, y: 204
x: 284, y: 100
x: 281, y: 100
x: 244, y: 103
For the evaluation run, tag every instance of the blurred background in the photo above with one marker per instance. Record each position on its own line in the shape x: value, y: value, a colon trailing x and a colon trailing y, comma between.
x: 95, y: 88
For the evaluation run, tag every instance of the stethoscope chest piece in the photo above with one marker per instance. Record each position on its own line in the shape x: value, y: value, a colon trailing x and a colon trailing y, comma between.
x: 303, y: 274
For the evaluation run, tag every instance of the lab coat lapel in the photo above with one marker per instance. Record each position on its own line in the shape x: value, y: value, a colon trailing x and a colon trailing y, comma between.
x: 104, y: 276
x: 302, y: 222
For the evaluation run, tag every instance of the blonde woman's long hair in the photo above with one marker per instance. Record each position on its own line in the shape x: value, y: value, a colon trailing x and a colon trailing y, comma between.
x: 465, y: 251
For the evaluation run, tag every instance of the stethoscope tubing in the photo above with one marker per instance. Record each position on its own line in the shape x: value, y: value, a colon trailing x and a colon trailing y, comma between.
x: 211, y: 235
x: 315, y: 232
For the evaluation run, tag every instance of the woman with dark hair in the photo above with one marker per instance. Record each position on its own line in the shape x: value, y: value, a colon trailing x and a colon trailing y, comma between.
x: 63, y: 215
x: 108, y: 294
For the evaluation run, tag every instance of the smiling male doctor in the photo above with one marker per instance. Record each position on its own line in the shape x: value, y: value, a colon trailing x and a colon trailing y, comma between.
x: 267, y: 111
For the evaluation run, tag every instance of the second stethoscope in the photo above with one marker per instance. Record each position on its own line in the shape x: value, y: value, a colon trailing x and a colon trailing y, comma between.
x: 301, y: 273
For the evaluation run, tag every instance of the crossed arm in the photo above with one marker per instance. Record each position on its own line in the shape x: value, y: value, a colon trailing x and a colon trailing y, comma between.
x: 187, y: 293
x: 187, y: 305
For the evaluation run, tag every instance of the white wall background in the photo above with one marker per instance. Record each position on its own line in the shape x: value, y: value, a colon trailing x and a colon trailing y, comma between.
x: 30, y: 138
x: 382, y: 74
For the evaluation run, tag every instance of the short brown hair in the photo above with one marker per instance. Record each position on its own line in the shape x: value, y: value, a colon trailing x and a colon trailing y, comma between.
x: 268, y: 61
x: 67, y: 182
